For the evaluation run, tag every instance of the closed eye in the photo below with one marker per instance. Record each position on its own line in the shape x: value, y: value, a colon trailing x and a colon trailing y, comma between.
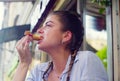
x: 49, y: 24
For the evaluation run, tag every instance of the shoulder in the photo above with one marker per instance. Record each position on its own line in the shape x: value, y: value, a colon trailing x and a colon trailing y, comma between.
x: 85, y: 53
x: 38, y: 70
x: 91, y: 66
x: 87, y: 57
x: 40, y: 67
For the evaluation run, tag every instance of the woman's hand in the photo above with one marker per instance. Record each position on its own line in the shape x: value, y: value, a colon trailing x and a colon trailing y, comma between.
x: 23, y: 49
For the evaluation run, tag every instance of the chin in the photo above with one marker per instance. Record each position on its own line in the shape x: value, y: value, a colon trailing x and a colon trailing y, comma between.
x: 40, y: 47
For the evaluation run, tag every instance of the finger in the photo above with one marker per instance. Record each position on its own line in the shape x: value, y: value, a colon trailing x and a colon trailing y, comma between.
x: 20, y: 45
x: 19, y: 41
x: 26, y: 46
x: 22, y: 41
x: 24, y: 52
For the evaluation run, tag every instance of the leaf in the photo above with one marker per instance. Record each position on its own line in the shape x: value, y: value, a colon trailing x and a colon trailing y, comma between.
x: 101, y: 10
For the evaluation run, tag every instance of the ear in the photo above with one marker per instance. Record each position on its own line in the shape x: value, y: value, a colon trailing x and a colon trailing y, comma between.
x: 66, y: 37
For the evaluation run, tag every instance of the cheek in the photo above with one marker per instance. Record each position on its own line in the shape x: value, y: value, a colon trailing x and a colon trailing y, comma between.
x: 53, y: 40
x: 50, y: 42
x: 52, y: 35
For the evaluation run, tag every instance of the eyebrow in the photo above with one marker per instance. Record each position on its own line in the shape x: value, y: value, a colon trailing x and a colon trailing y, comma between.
x: 49, y: 22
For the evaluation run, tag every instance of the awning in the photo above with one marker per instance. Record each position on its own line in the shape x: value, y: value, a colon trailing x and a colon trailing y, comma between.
x: 13, y: 33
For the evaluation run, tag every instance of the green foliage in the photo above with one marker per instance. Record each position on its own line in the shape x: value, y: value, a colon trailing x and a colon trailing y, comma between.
x: 13, y: 67
x: 102, y: 3
x: 101, y: 10
x: 102, y: 54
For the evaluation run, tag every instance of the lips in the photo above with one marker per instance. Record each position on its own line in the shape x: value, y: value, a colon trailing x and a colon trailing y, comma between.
x: 39, y: 41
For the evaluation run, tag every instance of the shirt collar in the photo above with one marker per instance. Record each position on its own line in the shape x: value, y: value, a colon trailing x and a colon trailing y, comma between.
x: 68, y: 62
x: 45, y: 66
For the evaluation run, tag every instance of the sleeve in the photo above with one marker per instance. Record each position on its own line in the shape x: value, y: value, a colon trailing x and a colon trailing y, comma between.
x: 93, y: 69
x: 31, y: 75
x: 34, y: 74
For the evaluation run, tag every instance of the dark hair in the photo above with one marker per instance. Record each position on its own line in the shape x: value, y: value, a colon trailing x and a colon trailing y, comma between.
x: 72, y: 23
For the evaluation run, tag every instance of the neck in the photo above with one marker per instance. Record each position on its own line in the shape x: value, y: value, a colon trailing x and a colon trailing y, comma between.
x: 59, y: 58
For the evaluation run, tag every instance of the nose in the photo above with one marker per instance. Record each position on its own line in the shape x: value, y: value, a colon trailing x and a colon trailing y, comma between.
x: 40, y: 30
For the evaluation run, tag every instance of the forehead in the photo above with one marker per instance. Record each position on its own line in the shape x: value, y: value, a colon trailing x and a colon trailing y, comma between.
x: 53, y: 18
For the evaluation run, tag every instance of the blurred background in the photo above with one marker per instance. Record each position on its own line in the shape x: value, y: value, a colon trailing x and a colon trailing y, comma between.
x: 100, y: 19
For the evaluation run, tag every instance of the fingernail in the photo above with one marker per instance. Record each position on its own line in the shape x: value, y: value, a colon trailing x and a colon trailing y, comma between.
x: 30, y: 35
x: 28, y: 41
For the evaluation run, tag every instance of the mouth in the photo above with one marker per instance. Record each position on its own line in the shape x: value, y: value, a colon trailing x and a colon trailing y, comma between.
x: 38, y: 42
x: 37, y: 37
x: 40, y: 39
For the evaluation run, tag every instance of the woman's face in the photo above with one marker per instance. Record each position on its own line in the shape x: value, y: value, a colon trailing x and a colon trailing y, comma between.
x: 51, y: 32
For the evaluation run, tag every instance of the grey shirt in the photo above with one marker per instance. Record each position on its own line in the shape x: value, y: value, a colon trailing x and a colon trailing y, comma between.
x: 87, y: 67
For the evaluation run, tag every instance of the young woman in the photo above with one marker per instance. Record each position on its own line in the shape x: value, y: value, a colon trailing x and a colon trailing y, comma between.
x: 62, y: 35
